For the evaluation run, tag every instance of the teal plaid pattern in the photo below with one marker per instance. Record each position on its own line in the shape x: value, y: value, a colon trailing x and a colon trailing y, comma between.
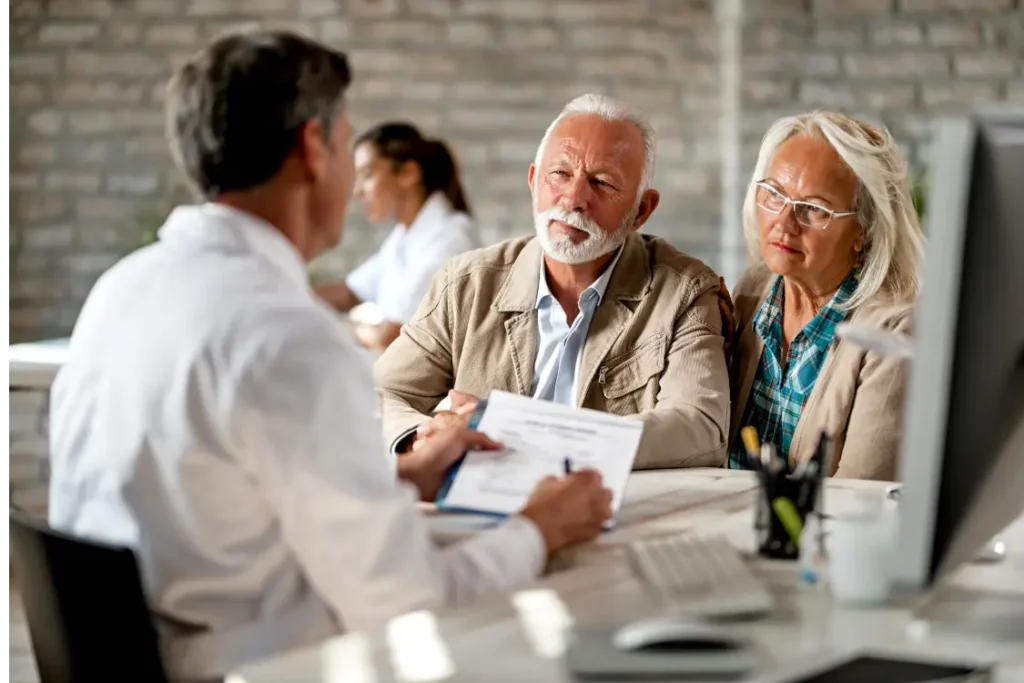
x: 777, y: 396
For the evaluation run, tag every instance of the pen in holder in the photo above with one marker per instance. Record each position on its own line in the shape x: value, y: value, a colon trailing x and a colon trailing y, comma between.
x: 786, y: 499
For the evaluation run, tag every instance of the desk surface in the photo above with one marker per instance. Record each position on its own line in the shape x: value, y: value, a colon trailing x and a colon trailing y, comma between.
x: 35, y: 364
x: 521, y: 637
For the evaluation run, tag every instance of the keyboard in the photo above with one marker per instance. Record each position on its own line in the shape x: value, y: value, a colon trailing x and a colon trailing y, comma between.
x: 704, y: 576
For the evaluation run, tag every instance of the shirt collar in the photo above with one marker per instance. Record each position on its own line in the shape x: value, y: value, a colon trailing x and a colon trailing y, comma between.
x: 820, y: 330
x: 598, y: 286
x: 431, y: 214
x: 217, y: 225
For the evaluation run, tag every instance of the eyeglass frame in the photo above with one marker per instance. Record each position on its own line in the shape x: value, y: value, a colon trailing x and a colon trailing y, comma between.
x: 787, y: 201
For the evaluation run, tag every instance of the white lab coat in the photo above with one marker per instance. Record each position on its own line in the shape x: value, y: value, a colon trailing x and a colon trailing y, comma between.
x: 397, y: 277
x: 217, y: 418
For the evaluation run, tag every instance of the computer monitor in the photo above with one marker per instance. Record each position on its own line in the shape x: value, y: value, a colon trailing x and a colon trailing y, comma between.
x: 962, y: 453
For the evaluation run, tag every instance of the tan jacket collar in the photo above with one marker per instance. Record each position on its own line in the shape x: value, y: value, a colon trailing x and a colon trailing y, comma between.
x: 631, y: 278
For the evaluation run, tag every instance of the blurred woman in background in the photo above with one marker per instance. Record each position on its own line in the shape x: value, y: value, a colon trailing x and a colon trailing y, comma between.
x: 831, y: 225
x: 414, y: 181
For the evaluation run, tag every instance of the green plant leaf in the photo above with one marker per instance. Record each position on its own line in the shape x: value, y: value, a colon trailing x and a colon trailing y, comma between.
x: 919, y: 195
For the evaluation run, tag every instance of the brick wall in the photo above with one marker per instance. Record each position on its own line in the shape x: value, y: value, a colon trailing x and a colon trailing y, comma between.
x: 90, y: 172
x: 900, y: 62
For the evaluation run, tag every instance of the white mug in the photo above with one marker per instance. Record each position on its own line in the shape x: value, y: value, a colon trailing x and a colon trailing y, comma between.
x: 859, y: 549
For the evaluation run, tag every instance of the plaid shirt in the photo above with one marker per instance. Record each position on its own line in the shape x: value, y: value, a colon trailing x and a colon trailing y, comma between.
x: 778, y: 395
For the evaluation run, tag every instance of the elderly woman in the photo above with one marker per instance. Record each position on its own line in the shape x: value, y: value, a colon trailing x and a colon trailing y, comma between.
x: 830, y: 220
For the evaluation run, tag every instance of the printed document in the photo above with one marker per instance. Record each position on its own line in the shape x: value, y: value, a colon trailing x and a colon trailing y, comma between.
x: 538, y: 436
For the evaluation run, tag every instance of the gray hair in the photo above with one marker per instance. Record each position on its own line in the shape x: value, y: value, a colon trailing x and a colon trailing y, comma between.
x: 609, y: 109
x: 234, y: 109
x: 893, y: 239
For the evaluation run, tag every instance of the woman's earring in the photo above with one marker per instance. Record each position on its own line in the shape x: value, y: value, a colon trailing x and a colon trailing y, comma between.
x: 858, y: 264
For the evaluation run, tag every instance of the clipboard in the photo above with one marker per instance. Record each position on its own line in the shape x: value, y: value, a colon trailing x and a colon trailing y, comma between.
x: 440, y: 500
x: 548, y: 431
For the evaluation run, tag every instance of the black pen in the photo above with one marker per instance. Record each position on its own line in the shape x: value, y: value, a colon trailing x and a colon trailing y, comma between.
x: 568, y: 467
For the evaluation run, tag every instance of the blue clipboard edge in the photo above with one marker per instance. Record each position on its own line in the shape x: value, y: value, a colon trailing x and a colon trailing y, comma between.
x: 474, y: 421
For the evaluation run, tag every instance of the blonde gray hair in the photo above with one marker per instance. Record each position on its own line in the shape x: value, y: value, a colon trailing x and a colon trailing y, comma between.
x: 609, y: 109
x: 893, y: 239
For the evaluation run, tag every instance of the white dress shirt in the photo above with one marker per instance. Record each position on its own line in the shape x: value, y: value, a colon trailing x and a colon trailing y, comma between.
x: 559, y: 344
x: 217, y: 418
x: 396, y: 278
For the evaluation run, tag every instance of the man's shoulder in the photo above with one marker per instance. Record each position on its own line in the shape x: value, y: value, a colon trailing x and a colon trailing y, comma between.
x: 279, y: 322
x: 493, y: 260
x: 684, y: 271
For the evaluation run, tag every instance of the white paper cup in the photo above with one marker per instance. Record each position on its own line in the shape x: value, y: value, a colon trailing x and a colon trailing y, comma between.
x: 859, y: 551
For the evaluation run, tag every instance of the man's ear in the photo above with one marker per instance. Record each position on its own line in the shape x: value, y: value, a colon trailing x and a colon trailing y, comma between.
x: 648, y: 203
x: 313, y: 149
x: 530, y: 175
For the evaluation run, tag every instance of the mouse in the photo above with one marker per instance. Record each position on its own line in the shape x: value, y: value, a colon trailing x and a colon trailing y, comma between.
x: 672, y: 634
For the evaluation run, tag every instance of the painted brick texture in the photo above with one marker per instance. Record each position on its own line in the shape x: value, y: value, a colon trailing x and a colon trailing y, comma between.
x: 91, y: 174
x: 903, y: 63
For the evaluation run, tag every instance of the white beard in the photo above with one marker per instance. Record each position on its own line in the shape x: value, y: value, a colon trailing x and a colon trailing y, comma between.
x: 597, y: 244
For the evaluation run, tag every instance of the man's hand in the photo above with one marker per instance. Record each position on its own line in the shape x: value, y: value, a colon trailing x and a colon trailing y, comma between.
x: 462, y: 401
x: 426, y: 465
x: 726, y: 308
x: 444, y: 419
x: 462, y: 407
x: 569, y: 510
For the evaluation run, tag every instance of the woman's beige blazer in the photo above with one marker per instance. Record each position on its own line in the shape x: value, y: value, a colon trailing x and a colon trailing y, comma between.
x: 857, y: 398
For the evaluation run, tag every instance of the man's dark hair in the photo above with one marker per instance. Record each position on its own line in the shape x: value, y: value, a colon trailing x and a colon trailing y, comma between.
x: 235, y: 110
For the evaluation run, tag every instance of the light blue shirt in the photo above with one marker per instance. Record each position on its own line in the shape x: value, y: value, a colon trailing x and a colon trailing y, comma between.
x: 559, y: 344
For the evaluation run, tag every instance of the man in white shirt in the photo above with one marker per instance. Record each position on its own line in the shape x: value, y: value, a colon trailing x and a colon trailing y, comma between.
x: 215, y: 417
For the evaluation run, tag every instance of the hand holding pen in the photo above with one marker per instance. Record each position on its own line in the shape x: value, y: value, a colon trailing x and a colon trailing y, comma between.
x: 570, y: 509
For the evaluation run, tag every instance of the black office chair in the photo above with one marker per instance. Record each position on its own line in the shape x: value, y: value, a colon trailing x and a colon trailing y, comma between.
x: 84, y: 605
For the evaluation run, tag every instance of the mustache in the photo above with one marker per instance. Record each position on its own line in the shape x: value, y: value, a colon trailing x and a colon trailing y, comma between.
x: 573, y: 218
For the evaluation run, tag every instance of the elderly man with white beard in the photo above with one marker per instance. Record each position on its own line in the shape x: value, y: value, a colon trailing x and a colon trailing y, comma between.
x: 588, y: 312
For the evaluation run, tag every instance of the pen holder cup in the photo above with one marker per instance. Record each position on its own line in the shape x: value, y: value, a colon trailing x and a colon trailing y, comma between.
x: 784, y: 503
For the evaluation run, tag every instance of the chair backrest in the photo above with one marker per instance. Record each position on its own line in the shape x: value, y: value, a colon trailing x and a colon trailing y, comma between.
x: 86, y: 612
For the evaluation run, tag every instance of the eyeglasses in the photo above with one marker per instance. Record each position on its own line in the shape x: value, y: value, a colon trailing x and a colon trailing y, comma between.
x: 807, y: 214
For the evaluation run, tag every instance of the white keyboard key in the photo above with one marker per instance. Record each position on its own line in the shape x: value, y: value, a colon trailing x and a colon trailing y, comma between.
x: 701, y: 575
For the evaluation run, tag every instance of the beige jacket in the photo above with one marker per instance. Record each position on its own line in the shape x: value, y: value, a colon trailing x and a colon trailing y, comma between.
x: 857, y: 398
x: 654, y: 348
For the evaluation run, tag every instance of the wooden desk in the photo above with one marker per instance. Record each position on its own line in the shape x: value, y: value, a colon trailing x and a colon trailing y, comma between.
x: 977, y: 616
